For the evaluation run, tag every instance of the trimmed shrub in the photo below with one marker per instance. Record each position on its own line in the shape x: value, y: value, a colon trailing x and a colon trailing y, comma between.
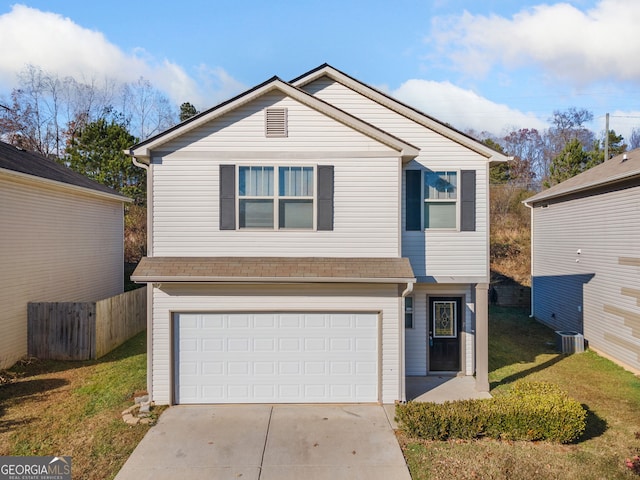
x: 465, y: 419
x: 530, y: 411
x: 537, y: 411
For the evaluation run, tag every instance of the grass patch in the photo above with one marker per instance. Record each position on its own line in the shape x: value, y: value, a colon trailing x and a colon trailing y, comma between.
x: 521, y: 348
x: 73, y: 408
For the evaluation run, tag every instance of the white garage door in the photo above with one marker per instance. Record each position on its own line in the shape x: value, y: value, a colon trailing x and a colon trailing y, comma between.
x: 276, y: 357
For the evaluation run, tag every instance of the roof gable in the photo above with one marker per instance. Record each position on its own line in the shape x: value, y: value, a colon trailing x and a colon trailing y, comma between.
x: 24, y: 163
x: 143, y: 149
x: 617, y: 169
x: 397, y: 106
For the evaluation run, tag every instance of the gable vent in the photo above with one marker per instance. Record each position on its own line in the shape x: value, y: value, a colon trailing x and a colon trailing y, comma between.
x: 275, y: 122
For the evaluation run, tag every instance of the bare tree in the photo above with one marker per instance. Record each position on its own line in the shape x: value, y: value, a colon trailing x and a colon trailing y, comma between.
x: 146, y: 108
x: 634, y: 139
x: 46, y: 112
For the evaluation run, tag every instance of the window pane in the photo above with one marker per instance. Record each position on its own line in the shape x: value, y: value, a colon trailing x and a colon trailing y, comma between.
x: 444, y: 319
x: 256, y: 213
x: 307, y: 181
x: 408, y: 312
x: 440, y: 215
x: 296, y: 214
x: 296, y: 181
x: 440, y: 185
x: 255, y: 181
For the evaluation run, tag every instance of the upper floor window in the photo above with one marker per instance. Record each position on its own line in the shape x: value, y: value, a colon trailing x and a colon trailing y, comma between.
x: 276, y: 197
x: 440, y: 199
x: 266, y: 200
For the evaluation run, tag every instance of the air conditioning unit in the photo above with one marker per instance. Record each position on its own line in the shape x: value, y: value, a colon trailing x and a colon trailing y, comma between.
x: 569, y: 342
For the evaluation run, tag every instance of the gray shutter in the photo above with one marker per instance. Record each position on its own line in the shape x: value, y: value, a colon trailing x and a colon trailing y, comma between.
x: 413, y: 200
x: 468, y: 200
x: 227, y: 197
x: 325, y: 197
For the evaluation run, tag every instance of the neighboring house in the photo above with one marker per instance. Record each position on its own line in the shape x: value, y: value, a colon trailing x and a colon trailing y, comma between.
x: 313, y: 241
x: 585, y: 246
x: 61, y: 239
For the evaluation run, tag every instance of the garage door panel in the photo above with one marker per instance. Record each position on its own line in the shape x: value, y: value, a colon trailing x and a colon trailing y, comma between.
x: 265, y: 358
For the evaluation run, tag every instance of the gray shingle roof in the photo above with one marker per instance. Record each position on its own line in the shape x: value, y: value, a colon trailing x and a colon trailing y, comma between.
x: 615, y: 170
x: 273, y: 269
x: 36, y: 165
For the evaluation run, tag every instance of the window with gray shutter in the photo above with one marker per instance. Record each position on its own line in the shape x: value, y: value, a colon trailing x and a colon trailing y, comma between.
x: 468, y: 200
x: 275, y: 122
x: 413, y: 200
x: 227, y: 197
x: 325, y: 197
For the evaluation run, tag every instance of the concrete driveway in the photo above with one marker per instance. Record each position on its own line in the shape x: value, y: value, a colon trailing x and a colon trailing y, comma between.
x: 268, y: 442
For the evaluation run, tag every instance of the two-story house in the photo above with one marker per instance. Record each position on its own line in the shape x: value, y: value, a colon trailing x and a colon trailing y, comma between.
x: 313, y: 241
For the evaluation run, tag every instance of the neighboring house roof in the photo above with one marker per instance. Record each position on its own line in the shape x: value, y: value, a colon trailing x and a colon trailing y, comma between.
x: 142, y: 150
x: 401, y: 108
x: 273, y: 269
x: 618, y: 169
x: 21, y: 162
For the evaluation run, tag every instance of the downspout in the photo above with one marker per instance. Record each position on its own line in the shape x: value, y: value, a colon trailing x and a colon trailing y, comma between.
x: 531, y: 302
x: 403, y: 377
x: 149, y: 286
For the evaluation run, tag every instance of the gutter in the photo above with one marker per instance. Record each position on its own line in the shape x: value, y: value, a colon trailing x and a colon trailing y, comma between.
x: 149, y: 287
x: 531, y: 229
x: 403, y: 377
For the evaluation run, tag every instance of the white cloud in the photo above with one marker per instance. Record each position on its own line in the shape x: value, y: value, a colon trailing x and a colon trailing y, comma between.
x: 58, y: 45
x: 571, y: 44
x: 464, y: 109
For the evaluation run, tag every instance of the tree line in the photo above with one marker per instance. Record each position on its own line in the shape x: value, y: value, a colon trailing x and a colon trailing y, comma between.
x: 86, y: 124
x: 565, y: 149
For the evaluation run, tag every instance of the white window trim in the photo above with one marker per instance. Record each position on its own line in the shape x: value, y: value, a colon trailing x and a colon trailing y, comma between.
x: 441, y: 200
x: 276, y: 198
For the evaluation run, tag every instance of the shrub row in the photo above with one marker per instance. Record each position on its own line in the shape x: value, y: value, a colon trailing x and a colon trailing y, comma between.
x: 530, y: 411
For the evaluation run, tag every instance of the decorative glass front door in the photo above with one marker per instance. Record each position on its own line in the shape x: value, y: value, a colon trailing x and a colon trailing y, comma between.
x: 444, y: 333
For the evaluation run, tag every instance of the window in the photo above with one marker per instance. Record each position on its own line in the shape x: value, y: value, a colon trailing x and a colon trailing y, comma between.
x: 255, y: 189
x: 296, y: 197
x: 266, y: 200
x: 444, y: 319
x: 408, y: 312
x: 440, y: 199
x: 434, y: 200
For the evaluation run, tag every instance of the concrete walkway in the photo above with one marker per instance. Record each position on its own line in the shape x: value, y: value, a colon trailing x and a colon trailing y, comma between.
x: 443, y: 388
x: 265, y: 442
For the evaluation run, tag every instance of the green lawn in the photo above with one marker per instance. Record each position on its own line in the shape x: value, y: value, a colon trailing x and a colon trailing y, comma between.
x: 522, y: 348
x: 73, y: 408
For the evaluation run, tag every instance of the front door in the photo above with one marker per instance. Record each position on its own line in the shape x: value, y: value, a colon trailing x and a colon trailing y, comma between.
x: 444, y: 333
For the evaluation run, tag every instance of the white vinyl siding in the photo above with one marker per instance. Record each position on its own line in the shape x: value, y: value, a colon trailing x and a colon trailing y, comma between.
x: 380, y: 299
x: 55, y: 246
x: 242, y: 130
x: 366, y: 187
x: 589, y: 289
x: 434, y: 253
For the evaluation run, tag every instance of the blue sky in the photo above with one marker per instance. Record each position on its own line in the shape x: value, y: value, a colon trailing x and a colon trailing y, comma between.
x: 482, y: 65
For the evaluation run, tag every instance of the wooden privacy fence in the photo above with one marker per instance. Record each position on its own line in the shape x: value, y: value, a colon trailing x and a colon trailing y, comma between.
x: 85, y: 330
